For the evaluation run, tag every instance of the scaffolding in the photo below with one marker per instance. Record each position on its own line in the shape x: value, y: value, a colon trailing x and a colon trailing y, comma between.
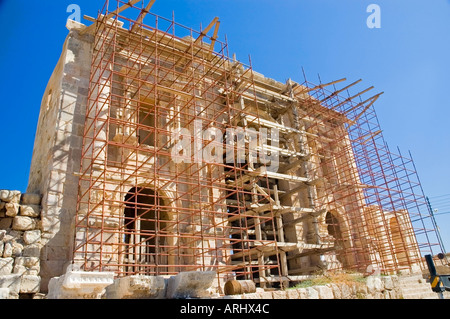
x: 193, y: 161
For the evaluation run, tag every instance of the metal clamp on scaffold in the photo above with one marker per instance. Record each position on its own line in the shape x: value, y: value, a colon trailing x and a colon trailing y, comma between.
x: 439, y: 283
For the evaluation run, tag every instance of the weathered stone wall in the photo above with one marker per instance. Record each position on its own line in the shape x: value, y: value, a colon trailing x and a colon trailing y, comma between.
x: 57, y: 151
x: 20, y: 244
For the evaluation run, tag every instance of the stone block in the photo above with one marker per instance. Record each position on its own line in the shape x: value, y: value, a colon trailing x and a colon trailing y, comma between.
x: 80, y: 285
x: 12, y: 209
x: 32, y: 236
x: 394, y: 294
x: 32, y: 251
x: 266, y: 295
x: 31, y: 199
x: 377, y: 295
x: 302, y: 293
x: 11, y: 282
x: 26, y: 266
x: 137, y: 287
x: 13, y: 235
x: 337, y: 294
x: 2, y: 234
x: 17, y: 249
x: 395, y: 280
x: 324, y: 292
x: 292, y: 294
x: 6, y: 266
x: 253, y: 295
x: 8, y: 250
x: 387, y: 282
x: 189, y: 284
x: 30, y: 210
x: 30, y: 284
x: 4, y: 293
x: 2, y: 245
x: 374, y: 284
x: 10, y: 196
x: 24, y: 223
x: 280, y: 294
x: 312, y: 293
x: 5, y: 223
x: 346, y: 291
x: 362, y: 289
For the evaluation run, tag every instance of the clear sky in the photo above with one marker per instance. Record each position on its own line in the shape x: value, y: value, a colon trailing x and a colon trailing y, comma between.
x: 407, y: 58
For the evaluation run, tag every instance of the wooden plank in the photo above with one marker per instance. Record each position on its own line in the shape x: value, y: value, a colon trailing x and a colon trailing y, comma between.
x: 367, y: 107
x: 293, y: 191
x: 352, y: 97
x: 110, y: 15
x: 205, y: 32
x: 264, y: 193
x: 262, y: 172
x: 142, y: 15
x: 341, y: 90
x: 321, y: 86
x: 290, y: 166
x: 214, y: 38
x: 122, y: 8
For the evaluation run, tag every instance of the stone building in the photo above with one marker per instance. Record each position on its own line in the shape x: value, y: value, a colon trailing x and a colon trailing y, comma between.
x: 157, y: 154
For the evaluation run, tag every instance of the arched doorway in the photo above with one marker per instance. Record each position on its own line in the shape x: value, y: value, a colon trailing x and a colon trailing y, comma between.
x: 145, y: 232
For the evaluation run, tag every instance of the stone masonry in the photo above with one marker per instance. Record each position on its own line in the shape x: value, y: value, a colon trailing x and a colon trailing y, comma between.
x: 20, y: 244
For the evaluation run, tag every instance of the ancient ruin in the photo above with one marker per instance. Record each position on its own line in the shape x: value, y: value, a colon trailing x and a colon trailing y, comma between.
x: 161, y: 162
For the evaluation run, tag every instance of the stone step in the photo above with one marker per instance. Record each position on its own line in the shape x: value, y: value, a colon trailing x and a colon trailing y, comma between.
x: 420, y: 296
x: 416, y: 287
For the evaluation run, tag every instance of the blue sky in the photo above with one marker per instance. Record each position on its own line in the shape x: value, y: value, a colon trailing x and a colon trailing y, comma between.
x: 407, y: 58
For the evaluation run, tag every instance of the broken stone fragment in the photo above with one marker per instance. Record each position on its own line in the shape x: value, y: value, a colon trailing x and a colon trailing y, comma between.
x: 8, y: 250
x: 30, y: 284
x: 26, y: 266
x: 190, y: 284
x: 24, y: 223
x: 6, y: 266
x: 31, y: 199
x: 12, y: 209
x: 10, y: 196
x: 137, y: 287
x: 30, y: 210
x: 4, y: 293
x: 79, y: 285
x: 17, y: 249
x: 31, y: 236
x: 12, y: 282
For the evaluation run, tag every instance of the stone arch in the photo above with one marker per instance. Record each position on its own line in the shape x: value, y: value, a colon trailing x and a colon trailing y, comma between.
x: 148, y: 223
x: 337, y: 227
